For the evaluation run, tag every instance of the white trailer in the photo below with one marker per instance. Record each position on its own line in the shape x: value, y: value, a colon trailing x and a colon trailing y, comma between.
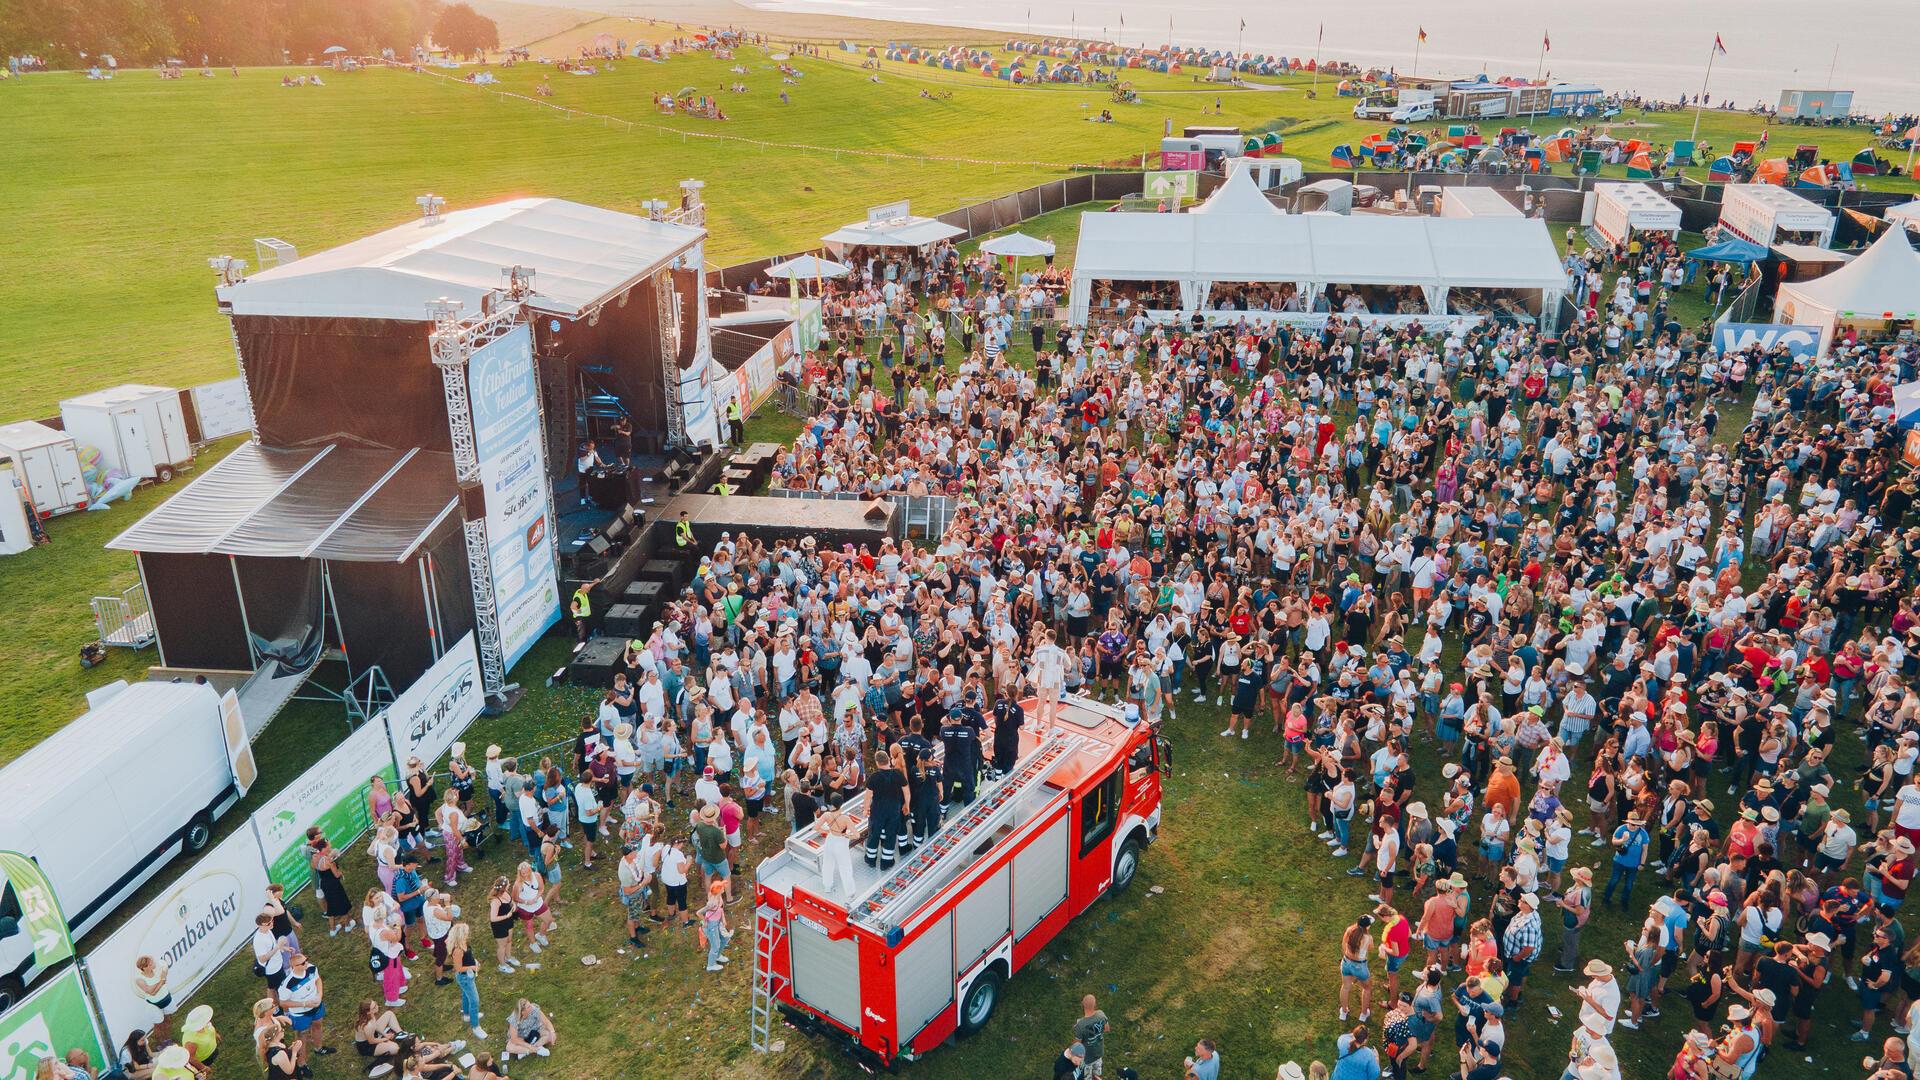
x: 1475, y: 202
x: 1768, y: 214
x: 139, y: 430
x: 1620, y: 210
x: 48, y: 462
x: 105, y: 802
x: 1269, y: 173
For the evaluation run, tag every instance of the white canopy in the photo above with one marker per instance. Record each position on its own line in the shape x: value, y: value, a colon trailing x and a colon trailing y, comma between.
x: 1239, y: 195
x: 1313, y: 250
x: 1884, y: 282
x: 581, y: 256
x: 1017, y: 244
x: 807, y: 267
x: 1907, y: 214
x: 909, y: 232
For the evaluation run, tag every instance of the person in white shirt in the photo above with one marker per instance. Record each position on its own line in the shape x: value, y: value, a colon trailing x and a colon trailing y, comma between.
x: 1049, y: 672
x: 269, y: 955
x: 1599, y: 999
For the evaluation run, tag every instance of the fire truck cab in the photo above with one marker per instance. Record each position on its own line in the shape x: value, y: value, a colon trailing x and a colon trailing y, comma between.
x: 912, y: 956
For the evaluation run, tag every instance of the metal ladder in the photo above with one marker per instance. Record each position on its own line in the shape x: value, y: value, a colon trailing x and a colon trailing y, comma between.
x: 985, y: 813
x: 769, y: 935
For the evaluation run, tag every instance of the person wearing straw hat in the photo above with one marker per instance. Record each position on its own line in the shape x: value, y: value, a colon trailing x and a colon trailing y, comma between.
x: 199, y: 1037
x: 1576, y: 907
x: 1630, y: 842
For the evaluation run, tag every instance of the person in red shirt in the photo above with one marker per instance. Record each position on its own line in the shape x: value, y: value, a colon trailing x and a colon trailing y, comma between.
x: 1396, y: 942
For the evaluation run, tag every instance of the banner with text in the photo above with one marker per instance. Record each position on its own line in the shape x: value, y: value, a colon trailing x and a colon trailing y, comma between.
x: 49, y: 1022
x: 333, y: 795
x: 204, y: 918
x: 438, y: 706
x: 505, y: 392
x: 1800, y: 341
x: 40, y: 916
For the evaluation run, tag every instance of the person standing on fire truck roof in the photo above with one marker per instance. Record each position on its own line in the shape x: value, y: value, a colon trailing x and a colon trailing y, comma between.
x: 923, y: 782
x: 1008, y: 717
x: 961, y: 736
x: 1049, y: 670
x: 887, y: 800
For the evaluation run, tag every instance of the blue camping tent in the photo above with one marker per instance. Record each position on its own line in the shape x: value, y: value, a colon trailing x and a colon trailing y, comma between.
x: 1730, y: 250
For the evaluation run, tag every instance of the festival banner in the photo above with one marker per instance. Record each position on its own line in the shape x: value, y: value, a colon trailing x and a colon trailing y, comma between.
x: 1801, y: 341
x: 333, y: 795
x: 194, y: 927
x: 51, y: 1021
x: 432, y: 713
x: 505, y: 395
x: 41, y: 919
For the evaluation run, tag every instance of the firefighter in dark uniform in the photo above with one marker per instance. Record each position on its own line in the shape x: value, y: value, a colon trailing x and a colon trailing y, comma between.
x: 923, y: 782
x: 960, y: 737
x: 886, y: 806
x: 1008, y: 717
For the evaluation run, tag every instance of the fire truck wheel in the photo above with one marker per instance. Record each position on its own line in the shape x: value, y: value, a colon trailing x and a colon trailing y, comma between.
x: 982, y: 998
x: 1125, y: 866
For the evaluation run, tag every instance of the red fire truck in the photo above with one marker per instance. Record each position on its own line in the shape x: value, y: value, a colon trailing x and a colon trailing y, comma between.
x: 910, y: 957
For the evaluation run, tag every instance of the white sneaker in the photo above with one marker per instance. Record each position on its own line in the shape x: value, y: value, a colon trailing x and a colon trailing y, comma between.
x: 506, y: 969
x: 543, y: 1051
x: 535, y: 945
x: 1244, y: 732
x: 1853, y: 983
x: 479, y: 1032
x: 396, y: 1004
x: 542, y: 939
x: 350, y: 925
x: 1338, y: 852
x: 1324, y: 835
x: 514, y: 960
x: 1343, y: 1016
x: 458, y: 1045
x: 1218, y: 700
x: 726, y: 959
x: 1227, y: 734
x: 715, y: 967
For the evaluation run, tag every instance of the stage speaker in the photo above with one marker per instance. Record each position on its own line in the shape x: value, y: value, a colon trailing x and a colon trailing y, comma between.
x: 598, y: 545
x: 616, y: 528
x: 473, y: 503
x: 675, y: 472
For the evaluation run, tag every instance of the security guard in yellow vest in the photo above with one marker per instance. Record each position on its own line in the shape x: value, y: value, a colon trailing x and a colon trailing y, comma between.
x: 582, y: 608
x: 683, y: 531
x: 723, y: 488
x: 735, y: 431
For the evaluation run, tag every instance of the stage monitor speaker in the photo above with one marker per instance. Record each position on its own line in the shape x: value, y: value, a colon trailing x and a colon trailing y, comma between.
x: 616, y: 527
x: 675, y: 472
x: 473, y: 503
x: 598, y: 545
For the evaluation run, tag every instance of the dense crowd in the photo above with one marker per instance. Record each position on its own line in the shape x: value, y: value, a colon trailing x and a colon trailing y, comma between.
x: 1535, y: 632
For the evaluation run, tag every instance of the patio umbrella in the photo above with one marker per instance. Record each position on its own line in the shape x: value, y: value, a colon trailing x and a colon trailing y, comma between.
x: 1017, y: 245
x: 332, y: 49
x: 808, y: 266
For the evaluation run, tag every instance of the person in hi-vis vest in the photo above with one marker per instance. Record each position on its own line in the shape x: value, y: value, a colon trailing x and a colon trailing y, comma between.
x: 582, y: 608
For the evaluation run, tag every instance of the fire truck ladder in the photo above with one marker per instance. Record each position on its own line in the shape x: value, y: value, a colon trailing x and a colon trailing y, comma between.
x: 987, y: 813
x: 769, y: 937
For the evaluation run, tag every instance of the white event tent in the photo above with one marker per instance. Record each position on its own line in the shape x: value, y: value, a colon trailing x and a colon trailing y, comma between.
x: 1249, y: 245
x: 907, y: 231
x: 1872, y: 293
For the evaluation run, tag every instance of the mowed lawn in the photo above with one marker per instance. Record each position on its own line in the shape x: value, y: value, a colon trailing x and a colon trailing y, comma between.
x: 120, y: 191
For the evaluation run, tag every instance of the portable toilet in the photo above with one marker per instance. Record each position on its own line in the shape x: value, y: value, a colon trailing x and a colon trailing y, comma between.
x: 139, y: 430
x: 48, y: 464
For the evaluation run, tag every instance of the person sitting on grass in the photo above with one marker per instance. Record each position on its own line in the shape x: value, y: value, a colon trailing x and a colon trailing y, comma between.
x: 529, y: 1031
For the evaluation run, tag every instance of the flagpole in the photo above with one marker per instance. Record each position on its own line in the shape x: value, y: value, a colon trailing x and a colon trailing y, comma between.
x: 1322, y: 40
x: 1539, y: 74
x: 1417, y: 42
x: 1702, y: 102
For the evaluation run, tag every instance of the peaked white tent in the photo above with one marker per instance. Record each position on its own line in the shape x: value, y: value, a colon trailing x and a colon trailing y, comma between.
x: 807, y: 268
x: 1880, y: 288
x: 1017, y: 245
x: 1239, y: 195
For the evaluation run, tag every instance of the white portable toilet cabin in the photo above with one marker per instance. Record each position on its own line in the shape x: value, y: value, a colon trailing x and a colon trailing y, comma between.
x: 48, y: 463
x: 139, y: 430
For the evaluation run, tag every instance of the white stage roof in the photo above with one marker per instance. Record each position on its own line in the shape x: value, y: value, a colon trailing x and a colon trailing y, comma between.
x: 581, y: 256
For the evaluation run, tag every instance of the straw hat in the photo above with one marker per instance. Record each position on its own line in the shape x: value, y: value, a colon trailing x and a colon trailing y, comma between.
x: 1597, y: 968
x: 709, y: 813
x: 1529, y: 900
x: 493, y: 751
x: 1819, y: 940
x: 1416, y: 810
x: 173, y: 1057
x: 199, y: 1018
x: 1739, y: 1012
x: 1583, y: 875
x: 1291, y: 1071
x: 1903, y: 845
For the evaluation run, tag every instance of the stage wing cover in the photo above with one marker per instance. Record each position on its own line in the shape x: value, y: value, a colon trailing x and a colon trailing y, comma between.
x: 346, y: 505
x: 581, y: 256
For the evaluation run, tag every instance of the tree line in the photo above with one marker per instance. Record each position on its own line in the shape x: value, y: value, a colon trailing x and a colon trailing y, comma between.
x: 71, y: 33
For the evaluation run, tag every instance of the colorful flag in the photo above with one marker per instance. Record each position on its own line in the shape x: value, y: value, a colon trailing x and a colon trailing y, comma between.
x: 1718, y: 49
x: 1423, y: 34
x: 1546, y: 43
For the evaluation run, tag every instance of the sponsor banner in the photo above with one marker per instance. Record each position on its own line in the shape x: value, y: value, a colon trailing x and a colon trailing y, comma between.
x: 889, y: 211
x: 332, y: 795
x: 1800, y: 340
x: 49, y: 1022
x: 431, y: 714
x: 194, y: 927
x: 505, y: 395
x: 222, y: 408
x: 1182, y: 160
x: 1178, y: 184
x: 41, y: 919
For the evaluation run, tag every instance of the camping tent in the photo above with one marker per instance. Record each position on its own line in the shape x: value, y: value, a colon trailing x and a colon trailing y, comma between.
x: 1874, y: 291
x: 1621, y: 209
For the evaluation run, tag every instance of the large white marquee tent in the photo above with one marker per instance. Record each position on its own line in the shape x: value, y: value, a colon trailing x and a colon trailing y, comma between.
x: 1262, y: 245
x: 1872, y: 293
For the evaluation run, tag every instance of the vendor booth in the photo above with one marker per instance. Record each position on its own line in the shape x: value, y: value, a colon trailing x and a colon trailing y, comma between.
x: 1768, y: 214
x: 1375, y: 267
x: 1876, y: 297
x: 1620, y: 210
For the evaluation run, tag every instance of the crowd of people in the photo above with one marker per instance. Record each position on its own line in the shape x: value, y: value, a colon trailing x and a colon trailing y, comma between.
x: 1510, y: 613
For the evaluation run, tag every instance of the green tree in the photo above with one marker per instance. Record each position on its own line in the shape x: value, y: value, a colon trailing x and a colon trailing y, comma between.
x: 464, y: 30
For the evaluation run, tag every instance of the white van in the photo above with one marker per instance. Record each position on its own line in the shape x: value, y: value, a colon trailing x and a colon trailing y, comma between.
x: 105, y: 802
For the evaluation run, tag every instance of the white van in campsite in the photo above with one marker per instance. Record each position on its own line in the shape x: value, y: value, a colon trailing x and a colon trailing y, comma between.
x: 106, y: 801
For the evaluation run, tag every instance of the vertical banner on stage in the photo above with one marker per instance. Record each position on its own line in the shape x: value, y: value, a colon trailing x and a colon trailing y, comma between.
x: 332, y: 795
x: 431, y: 714
x: 41, y: 919
x: 205, y: 917
x: 505, y: 395
x: 51, y: 1021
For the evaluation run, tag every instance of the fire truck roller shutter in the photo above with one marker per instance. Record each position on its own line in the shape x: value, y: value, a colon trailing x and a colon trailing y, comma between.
x: 1040, y: 876
x: 826, y: 973
x: 981, y: 918
x: 923, y: 978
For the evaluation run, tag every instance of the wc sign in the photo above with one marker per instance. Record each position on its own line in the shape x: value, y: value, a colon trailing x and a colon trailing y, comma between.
x: 1800, y: 341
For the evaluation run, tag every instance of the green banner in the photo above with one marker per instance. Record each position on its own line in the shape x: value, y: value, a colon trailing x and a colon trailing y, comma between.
x: 50, y: 1022
x: 343, y: 822
x: 40, y: 916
